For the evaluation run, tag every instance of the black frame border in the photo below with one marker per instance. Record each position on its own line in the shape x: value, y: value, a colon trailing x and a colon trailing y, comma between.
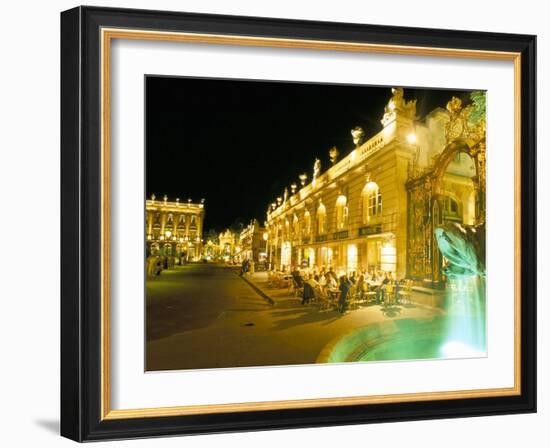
x: 81, y: 223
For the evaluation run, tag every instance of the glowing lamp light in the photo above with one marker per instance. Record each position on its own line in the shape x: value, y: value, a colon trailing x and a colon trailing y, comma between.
x: 168, y: 234
x: 411, y: 138
x: 371, y: 185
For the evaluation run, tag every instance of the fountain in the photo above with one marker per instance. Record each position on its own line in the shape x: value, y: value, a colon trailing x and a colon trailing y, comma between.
x: 463, y: 247
x: 460, y: 333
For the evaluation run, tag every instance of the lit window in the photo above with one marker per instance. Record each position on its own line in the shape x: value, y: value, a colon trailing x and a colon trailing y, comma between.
x: 341, y: 212
x: 375, y: 202
x: 296, y: 226
x: 372, y: 201
x: 307, y: 223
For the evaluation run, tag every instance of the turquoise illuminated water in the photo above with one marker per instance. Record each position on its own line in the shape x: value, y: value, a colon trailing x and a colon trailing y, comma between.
x: 460, y: 333
x: 465, y: 324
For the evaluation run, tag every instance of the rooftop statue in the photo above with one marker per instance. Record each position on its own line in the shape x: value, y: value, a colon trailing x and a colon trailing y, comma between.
x: 358, y: 135
x: 397, y: 105
x: 333, y: 154
x: 316, y: 169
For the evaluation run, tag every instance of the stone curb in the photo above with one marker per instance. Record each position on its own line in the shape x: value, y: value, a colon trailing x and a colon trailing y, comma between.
x: 257, y: 289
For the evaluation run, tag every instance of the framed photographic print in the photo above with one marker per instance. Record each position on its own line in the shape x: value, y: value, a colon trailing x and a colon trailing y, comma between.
x: 276, y: 224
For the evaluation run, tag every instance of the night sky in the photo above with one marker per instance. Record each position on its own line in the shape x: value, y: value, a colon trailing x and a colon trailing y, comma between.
x: 239, y: 143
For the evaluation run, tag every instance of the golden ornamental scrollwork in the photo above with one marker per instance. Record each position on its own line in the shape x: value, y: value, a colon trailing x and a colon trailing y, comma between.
x: 466, y: 123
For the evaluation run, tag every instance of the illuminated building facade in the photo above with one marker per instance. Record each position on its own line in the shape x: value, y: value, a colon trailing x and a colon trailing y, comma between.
x: 252, y: 242
x: 227, y: 245
x: 174, y: 229
x: 377, y: 207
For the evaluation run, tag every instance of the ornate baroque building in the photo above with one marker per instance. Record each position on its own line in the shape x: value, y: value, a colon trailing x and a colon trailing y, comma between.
x: 174, y: 228
x: 377, y: 207
x: 227, y: 245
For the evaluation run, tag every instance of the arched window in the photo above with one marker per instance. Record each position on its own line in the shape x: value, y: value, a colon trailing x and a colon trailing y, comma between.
x: 307, y: 223
x: 341, y: 212
x: 169, y: 222
x: 372, y: 201
x: 321, y: 220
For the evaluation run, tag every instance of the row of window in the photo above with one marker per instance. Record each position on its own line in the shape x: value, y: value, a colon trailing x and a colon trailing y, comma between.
x: 170, y: 219
x: 371, y: 206
x: 169, y: 236
x: 167, y: 249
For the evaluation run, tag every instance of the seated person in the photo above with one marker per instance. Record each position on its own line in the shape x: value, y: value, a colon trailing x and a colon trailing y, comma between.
x: 362, y: 287
x: 322, y: 280
x: 309, y: 292
x: 331, y: 281
x: 380, y: 291
x: 298, y: 280
x: 344, y: 289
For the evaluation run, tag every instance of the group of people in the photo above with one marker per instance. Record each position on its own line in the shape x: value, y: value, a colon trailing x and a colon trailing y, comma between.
x: 326, y: 280
x: 155, y: 264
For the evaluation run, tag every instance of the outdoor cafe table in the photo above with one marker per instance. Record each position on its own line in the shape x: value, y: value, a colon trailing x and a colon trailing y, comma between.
x: 334, y: 293
x: 373, y: 285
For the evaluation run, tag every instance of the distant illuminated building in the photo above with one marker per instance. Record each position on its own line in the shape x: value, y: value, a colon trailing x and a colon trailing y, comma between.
x: 227, y: 245
x: 174, y: 228
x: 252, y: 243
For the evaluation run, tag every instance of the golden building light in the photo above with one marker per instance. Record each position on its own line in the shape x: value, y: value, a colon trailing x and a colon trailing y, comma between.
x: 170, y: 224
x: 374, y: 209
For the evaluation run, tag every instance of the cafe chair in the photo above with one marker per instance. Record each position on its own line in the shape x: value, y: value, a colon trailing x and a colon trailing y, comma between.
x: 405, y: 293
x: 389, y: 294
x: 352, y: 299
